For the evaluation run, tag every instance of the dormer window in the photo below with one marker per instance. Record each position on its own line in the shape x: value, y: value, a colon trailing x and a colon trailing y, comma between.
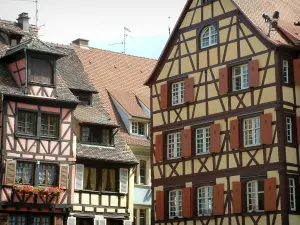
x: 41, y: 71
x: 139, y: 128
x: 96, y: 135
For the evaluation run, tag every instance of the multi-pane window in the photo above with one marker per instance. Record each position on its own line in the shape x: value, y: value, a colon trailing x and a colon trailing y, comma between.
x: 292, y: 192
x: 96, y: 135
x: 41, y: 220
x: 240, y: 77
x: 251, y: 130
x: 41, y: 71
x: 26, y: 122
x: 17, y: 220
x: 49, y: 125
x: 46, y: 174
x: 142, y: 216
x: 174, y: 145
x: 143, y: 172
x: 209, y: 36
x: 285, y: 71
x: 289, y: 131
x: 177, y: 93
x: 24, y: 173
x: 205, y: 201
x: 138, y: 128
x: 175, y: 203
x: 255, y: 196
x: 202, y: 140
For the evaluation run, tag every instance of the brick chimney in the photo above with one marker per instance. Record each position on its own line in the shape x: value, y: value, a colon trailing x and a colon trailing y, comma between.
x: 23, y: 21
x: 81, y: 42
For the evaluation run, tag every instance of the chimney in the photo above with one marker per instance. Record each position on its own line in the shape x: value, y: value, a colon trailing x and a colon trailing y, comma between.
x: 81, y: 42
x: 23, y: 21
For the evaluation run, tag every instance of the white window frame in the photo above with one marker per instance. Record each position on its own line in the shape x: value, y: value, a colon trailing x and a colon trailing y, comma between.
x: 292, y: 194
x: 285, y: 65
x: 203, y: 140
x: 177, y: 93
x: 208, y: 200
x: 251, y: 131
x: 289, y: 129
x: 135, y: 128
x: 243, y: 77
x: 254, y: 192
x: 177, y: 203
x: 209, y: 33
x: 174, y: 145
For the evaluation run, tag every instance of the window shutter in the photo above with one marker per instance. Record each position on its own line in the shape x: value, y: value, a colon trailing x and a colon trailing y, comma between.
x: 297, y: 71
x: 237, y: 197
x: 223, y: 80
x: 10, y: 172
x: 266, y: 134
x: 4, y: 219
x: 187, y: 202
x: 159, y: 147
x: 63, y: 176
x: 127, y: 222
x: 160, y: 206
x: 123, y: 180
x: 234, y: 134
x: 71, y: 221
x: 189, y: 90
x: 253, y: 73
x: 298, y: 128
x: 270, y: 194
x: 215, y: 138
x: 164, y: 96
x: 58, y: 220
x: 186, y: 143
x: 79, y: 176
x: 218, y: 201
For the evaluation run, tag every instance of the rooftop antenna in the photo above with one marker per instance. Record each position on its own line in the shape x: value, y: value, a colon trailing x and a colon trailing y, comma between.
x: 272, y: 22
x: 169, y: 26
x: 125, y: 35
x: 36, y: 10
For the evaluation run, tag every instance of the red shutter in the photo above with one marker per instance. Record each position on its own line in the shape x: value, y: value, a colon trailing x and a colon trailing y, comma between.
x: 297, y: 71
x: 253, y: 73
x: 159, y: 147
x: 237, y: 197
x: 298, y: 128
x: 160, y: 206
x: 187, y: 202
x: 266, y: 134
x: 186, y: 143
x: 164, y: 96
x: 223, y: 80
x: 234, y: 134
x: 218, y: 201
x: 215, y: 138
x: 270, y: 194
x: 189, y: 90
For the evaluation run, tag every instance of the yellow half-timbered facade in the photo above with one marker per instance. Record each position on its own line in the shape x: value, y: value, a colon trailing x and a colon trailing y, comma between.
x: 224, y: 116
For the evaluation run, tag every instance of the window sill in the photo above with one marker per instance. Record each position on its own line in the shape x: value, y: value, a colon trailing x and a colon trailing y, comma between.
x: 35, y: 137
x: 253, y: 147
x: 97, y: 145
x: 143, y: 185
x: 232, y: 93
x: 292, y: 145
x: 288, y: 85
x: 41, y: 84
x: 178, y: 106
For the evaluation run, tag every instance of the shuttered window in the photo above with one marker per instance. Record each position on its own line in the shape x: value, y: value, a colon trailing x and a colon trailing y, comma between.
x: 240, y: 78
x: 205, y: 201
x: 251, y: 131
x: 46, y: 174
x: 177, y: 93
x: 292, y: 194
x: 174, y: 145
x: 175, y: 204
x: 289, y: 129
x: 24, y: 173
x: 202, y: 140
x: 255, y: 196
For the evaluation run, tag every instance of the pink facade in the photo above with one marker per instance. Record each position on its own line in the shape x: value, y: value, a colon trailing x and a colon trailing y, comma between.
x: 40, y: 91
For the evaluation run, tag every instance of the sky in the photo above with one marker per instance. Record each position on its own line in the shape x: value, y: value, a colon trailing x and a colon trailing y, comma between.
x: 102, y: 22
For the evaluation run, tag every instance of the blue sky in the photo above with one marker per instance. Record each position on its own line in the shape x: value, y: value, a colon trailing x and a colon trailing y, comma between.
x: 102, y: 22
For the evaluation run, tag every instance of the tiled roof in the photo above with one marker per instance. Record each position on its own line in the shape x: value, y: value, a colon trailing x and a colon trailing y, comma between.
x: 109, y: 71
x: 11, y: 28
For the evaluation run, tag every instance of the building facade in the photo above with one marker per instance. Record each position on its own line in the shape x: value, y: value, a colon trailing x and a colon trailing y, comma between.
x: 225, y: 117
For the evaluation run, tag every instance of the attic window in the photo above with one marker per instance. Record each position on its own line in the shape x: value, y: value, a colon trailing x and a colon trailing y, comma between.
x: 209, y: 36
x: 96, y: 135
x: 139, y: 128
x: 41, y: 71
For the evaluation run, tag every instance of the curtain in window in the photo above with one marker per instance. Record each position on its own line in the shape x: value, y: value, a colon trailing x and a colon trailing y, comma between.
x: 104, y: 179
x: 51, y: 175
x: 42, y: 174
x: 93, y: 179
x: 86, y: 175
x: 19, y: 173
x: 28, y: 173
x: 112, y: 180
x: 41, y: 71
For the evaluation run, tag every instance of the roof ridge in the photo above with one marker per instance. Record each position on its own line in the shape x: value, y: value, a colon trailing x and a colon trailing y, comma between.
x: 59, y: 45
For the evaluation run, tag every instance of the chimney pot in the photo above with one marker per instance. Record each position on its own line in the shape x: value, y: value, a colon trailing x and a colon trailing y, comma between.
x: 81, y: 42
x: 23, y: 21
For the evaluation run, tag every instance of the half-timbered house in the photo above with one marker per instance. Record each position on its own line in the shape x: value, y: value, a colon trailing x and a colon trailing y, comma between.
x: 37, y: 151
x: 225, y: 116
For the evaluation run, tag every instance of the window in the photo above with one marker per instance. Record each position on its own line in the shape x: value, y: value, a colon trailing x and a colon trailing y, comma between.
x: 289, y: 131
x: 209, y: 37
x: 255, y: 196
x: 46, y: 174
x: 205, y: 201
x: 96, y: 135
x: 26, y: 123
x: 286, y: 71
x: 174, y: 145
x: 17, y: 220
x: 143, y: 172
x: 138, y: 128
x: 142, y: 216
x: 202, y: 140
x: 98, y: 179
x: 175, y: 203
x: 292, y: 190
x: 41, y: 220
x: 84, y: 100
x: 49, y: 125
x: 240, y: 77
x: 178, y: 93
x: 251, y: 130
x: 24, y: 173
x: 41, y: 71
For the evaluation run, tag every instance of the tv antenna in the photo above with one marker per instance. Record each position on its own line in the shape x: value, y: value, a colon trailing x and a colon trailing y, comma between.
x: 36, y: 10
x: 126, y: 31
x: 169, y: 26
x: 272, y: 22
